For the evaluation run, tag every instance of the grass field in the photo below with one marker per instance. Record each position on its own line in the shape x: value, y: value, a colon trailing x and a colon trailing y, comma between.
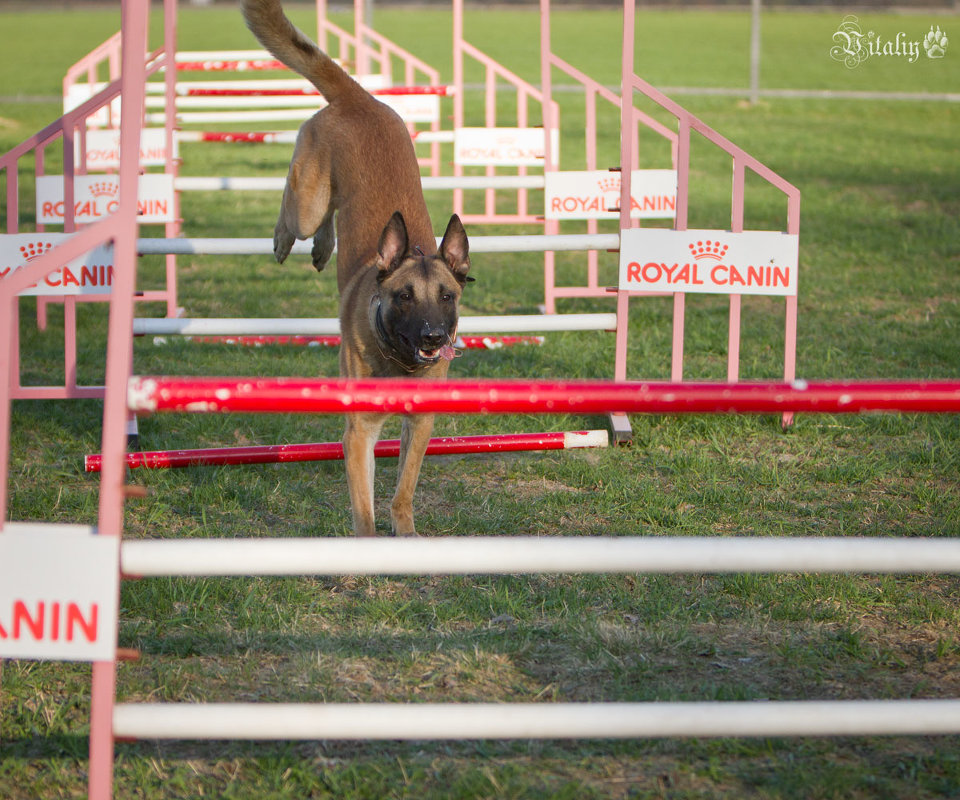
x: 879, y: 298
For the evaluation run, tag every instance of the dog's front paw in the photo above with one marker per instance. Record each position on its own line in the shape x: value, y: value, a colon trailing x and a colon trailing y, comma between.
x: 323, y: 244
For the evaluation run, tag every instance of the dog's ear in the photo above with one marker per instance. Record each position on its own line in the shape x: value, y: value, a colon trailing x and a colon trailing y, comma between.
x: 393, y: 245
x: 455, y: 250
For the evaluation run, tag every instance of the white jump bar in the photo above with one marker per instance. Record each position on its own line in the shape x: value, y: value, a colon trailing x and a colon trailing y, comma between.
x: 533, y: 720
x: 276, y: 184
x: 321, y: 326
x: 552, y: 554
x: 478, y: 244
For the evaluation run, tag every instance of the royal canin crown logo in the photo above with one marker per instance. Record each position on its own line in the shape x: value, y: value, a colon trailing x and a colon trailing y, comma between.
x: 611, y: 184
x: 33, y: 250
x: 708, y: 249
x: 104, y: 189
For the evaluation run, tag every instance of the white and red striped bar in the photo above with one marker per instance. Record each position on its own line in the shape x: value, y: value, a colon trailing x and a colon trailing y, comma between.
x: 233, y: 137
x: 232, y: 65
x: 228, y: 61
x: 333, y: 451
x: 289, y: 137
x: 462, y: 343
x: 404, y: 396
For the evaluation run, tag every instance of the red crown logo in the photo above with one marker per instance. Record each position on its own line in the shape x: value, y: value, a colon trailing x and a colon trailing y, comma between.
x: 32, y: 250
x: 104, y: 189
x: 708, y: 249
x: 611, y: 184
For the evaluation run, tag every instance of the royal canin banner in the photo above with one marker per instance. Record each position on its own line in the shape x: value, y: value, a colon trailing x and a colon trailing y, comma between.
x: 59, y: 587
x: 92, y: 273
x: 97, y: 196
x: 103, y: 149
x: 502, y: 147
x: 595, y: 194
x: 708, y: 261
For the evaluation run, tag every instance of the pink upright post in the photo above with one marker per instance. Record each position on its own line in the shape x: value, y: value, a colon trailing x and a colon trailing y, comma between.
x: 119, y: 357
x: 321, y: 25
x: 592, y: 91
x: 550, y: 159
x: 172, y: 166
x: 741, y: 162
x: 626, y: 171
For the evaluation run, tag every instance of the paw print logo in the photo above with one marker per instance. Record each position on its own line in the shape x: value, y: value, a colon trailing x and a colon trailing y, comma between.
x: 935, y: 43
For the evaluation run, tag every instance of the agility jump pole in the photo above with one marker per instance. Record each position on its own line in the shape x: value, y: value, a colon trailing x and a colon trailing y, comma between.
x: 478, y: 244
x: 333, y: 451
x: 396, y: 396
x: 457, y: 721
x: 276, y: 184
x: 330, y: 326
x: 462, y: 343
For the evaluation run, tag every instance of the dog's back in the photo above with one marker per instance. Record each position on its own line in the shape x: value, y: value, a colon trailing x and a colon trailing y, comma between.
x: 373, y: 170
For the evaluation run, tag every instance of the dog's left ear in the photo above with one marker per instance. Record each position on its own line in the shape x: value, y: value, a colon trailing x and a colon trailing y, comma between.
x: 392, y: 248
x: 455, y: 250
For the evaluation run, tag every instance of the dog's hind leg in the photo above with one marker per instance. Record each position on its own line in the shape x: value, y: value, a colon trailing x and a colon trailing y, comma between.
x: 414, y: 438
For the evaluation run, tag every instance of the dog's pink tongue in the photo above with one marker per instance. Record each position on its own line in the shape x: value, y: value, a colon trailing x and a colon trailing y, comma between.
x: 447, y: 353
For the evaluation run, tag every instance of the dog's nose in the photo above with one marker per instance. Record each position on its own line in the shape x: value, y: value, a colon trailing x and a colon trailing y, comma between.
x: 433, y: 338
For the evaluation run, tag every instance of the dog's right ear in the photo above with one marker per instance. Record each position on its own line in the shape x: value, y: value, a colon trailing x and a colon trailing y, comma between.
x: 392, y: 248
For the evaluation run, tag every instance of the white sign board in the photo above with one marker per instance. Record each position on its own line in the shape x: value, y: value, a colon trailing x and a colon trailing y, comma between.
x: 502, y: 147
x: 92, y: 273
x: 413, y: 107
x: 97, y: 196
x: 708, y: 261
x: 103, y: 149
x: 78, y: 93
x: 591, y: 194
x: 59, y: 588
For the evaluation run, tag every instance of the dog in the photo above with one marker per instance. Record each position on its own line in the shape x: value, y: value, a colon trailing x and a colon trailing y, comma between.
x: 354, y: 167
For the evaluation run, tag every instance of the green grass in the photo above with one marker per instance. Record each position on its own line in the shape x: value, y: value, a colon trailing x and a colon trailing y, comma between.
x: 879, y: 295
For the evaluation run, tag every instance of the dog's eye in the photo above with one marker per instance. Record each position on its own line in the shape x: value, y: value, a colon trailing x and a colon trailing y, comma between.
x: 446, y: 297
x: 404, y: 297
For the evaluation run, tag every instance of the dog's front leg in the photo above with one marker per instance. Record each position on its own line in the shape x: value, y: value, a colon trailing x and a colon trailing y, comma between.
x: 359, y: 438
x: 414, y: 438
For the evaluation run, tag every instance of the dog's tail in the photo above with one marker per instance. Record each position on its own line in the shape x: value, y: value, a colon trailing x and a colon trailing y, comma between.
x: 288, y: 44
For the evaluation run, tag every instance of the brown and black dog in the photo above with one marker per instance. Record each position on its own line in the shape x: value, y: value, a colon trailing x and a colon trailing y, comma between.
x: 399, y: 294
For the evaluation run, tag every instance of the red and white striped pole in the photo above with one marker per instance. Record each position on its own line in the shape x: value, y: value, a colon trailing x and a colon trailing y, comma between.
x: 463, y: 342
x: 405, y: 396
x: 333, y: 451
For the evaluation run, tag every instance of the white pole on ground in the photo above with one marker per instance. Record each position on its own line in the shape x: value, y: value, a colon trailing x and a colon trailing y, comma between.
x: 533, y: 720
x: 537, y: 554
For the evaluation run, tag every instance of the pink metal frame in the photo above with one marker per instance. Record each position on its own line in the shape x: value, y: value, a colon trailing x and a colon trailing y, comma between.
x: 88, y: 69
x: 368, y: 45
x: 592, y: 91
x: 69, y: 129
x: 121, y: 229
x: 525, y: 92
x: 293, y: 395
x: 742, y: 161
